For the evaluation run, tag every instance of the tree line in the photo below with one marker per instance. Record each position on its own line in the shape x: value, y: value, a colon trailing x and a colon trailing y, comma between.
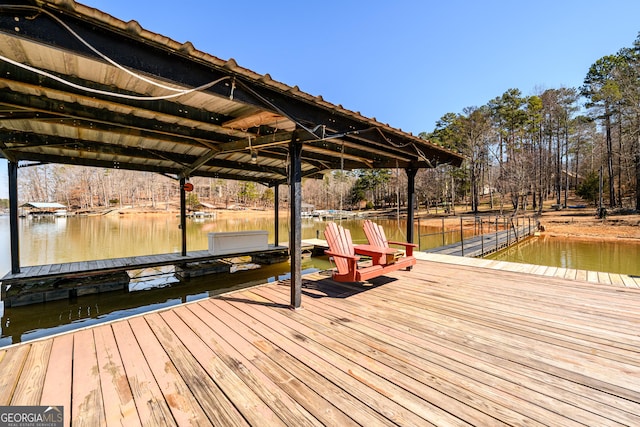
x: 531, y: 148
x: 520, y: 152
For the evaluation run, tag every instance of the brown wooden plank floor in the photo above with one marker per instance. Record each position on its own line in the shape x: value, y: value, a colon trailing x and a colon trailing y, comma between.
x: 443, y: 344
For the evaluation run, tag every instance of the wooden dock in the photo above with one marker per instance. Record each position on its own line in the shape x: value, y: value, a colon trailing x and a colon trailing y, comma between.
x: 443, y: 344
x: 601, y: 277
x: 481, y: 245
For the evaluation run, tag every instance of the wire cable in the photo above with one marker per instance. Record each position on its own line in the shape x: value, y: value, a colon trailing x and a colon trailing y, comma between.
x: 178, y: 92
x: 108, y: 93
x: 93, y: 49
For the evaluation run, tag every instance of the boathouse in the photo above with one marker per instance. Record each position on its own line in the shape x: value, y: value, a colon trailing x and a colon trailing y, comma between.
x: 44, y: 208
x: 81, y: 87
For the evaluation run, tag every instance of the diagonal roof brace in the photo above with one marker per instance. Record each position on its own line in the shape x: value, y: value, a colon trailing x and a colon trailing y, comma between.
x: 186, y: 172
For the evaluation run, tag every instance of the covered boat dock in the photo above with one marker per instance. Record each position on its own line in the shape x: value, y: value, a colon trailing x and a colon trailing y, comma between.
x: 80, y: 87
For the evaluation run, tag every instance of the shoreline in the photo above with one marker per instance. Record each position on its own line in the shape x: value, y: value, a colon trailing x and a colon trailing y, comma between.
x: 575, y: 224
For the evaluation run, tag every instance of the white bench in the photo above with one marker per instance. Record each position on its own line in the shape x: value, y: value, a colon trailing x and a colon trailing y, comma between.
x: 234, y: 242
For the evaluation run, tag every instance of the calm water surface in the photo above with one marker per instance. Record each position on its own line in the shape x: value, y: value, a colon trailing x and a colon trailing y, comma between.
x: 612, y: 257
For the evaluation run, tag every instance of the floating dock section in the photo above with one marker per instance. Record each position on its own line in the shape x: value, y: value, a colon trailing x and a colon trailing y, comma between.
x: 40, y: 283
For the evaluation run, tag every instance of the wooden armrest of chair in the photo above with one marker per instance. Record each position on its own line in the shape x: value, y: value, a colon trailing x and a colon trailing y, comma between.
x: 408, y: 247
x: 405, y: 244
x: 349, y: 257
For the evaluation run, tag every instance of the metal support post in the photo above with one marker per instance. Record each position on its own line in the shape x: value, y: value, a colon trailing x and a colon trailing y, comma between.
x: 276, y: 195
x: 183, y: 216
x: 295, y: 226
x: 13, y: 217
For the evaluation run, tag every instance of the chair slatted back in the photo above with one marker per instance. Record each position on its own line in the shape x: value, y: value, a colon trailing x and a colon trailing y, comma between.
x: 339, y: 241
x: 375, y: 234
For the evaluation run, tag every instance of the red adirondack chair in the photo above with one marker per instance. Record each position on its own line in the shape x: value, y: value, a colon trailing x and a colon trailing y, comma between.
x: 377, y: 237
x: 346, y: 257
x: 342, y: 251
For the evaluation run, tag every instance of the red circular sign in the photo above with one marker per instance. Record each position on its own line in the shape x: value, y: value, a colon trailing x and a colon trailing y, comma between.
x: 188, y: 186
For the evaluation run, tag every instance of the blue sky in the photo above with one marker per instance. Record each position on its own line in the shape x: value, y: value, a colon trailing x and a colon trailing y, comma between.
x: 406, y: 63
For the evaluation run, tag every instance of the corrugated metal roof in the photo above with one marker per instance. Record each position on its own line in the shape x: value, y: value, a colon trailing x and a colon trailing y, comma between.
x: 113, y: 105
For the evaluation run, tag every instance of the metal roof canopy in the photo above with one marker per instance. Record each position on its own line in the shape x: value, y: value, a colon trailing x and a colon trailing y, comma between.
x: 78, y: 86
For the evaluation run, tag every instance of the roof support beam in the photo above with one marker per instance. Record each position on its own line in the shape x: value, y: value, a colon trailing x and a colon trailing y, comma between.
x: 186, y: 172
x: 82, y: 111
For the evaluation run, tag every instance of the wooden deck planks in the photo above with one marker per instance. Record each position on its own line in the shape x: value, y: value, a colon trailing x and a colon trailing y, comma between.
x: 358, y: 411
x: 56, y: 390
x: 482, y: 350
x: 86, y: 393
x: 96, y: 267
x: 452, y: 374
x: 29, y: 387
x: 442, y: 345
x: 151, y: 405
x: 477, y: 353
x: 180, y: 399
x: 375, y: 391
x: 118, y: 400
x: 10, y: 368
x: 266, y: 379
x: 193, y: 362
x: 362, y: 350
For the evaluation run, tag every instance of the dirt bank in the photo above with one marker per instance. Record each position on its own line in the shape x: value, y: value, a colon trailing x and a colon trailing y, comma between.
x: 585, y: 225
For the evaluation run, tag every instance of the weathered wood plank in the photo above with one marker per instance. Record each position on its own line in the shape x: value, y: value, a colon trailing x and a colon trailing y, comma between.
x: 92, y: 267
x: 451, y: 372
x: 11, y: 368
x: 150, y: 403
x: 603, y: 277
x: 267, y: 380
x: 56, y: 390
x: 86, y: 401
x: 270, y: 355
x: 29, y: 389
x: 181, y: 401
x: 616, y: 279
x: 220, y: 385
x: 630, y: 282
x: 119, y: 406
x: 442, y: 344
x: 409, y: 383
x: 450, y: 359
x: 348, y: 376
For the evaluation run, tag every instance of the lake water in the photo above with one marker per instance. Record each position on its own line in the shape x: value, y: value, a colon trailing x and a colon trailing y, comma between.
x: 54, y: 240
x: 606, y: 255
